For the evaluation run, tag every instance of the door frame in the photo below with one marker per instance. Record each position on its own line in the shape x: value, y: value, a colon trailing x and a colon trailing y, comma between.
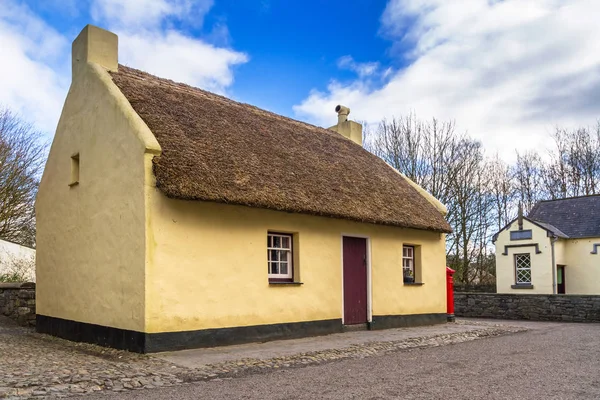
x: 369, y: 291
x: 564, y: 281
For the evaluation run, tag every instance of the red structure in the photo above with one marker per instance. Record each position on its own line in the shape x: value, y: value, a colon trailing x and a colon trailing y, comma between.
x: 450, y: 293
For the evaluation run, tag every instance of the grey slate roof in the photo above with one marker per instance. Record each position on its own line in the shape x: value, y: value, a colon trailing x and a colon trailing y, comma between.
x: 552, y: 229
x: 576, y: 217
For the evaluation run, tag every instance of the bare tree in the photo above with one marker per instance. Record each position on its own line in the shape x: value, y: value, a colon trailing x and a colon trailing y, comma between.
x: 482, y: 194
x: 22, y: 156
x: 450, y: 166
x: 527, y: 173
x: 502, y: 190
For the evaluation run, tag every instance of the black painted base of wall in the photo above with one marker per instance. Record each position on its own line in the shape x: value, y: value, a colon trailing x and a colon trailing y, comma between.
x: 89, y: 333
x: 141, y: 342
x: 405, y: 321
x: 168, y: 341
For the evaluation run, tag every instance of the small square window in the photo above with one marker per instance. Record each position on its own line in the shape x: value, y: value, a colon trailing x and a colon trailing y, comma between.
x: 280, y: 257
x: 74, y: 170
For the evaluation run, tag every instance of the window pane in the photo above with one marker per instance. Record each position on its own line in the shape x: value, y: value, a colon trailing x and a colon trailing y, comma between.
x: 269, y: 241
x: 274, y: 268
x: 283, y: 268
x: 276, y: 241
x: 274, y: 255
x: 285, y: 242
x: 283, y: 255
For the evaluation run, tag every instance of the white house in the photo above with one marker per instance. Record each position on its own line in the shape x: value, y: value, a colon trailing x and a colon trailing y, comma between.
x: 555, y: 249
x: 17, y: 258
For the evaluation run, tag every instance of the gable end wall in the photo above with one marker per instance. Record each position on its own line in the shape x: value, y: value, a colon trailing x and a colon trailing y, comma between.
x: 91, y: 236
x: 540, y: 263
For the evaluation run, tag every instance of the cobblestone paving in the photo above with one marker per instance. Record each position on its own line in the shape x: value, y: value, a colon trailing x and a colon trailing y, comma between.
x: 34, y: 366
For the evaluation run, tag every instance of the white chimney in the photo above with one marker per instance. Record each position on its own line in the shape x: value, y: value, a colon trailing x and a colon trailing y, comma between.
x: 350, y: 129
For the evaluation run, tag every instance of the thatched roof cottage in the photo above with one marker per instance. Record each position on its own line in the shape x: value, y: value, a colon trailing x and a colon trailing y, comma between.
x: 170, y: 217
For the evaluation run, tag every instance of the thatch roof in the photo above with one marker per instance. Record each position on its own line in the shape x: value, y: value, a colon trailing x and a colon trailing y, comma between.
x: 216, y: 149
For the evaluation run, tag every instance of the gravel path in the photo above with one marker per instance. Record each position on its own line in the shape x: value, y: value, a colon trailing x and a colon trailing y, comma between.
x: 33, y: 365
x: 549, y: 361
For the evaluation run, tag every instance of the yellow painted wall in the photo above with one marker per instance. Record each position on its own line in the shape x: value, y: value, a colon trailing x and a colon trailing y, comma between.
x: 560, y: 255
x: 91, y: 236
x: 541, y: 273
x: 208, y: 267
x: 113, y: 251
x: 582, y: 270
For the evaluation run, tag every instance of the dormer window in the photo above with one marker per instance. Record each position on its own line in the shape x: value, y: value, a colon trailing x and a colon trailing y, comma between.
x: 74, y: 170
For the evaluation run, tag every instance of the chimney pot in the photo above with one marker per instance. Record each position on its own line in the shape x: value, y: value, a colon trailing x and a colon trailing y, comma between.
x: 350, y: 129
x: 342, y: 113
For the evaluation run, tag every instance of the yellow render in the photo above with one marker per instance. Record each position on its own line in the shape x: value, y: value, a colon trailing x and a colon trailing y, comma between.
x: 82, y: 226
x: 541, y: 271
x: 209, y: 267
x: 582, y: 271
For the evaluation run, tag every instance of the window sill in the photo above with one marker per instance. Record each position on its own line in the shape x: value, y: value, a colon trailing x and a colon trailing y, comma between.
x: 286, y: 283
x: 413, y: 283
x: 521, y: 286
x: 73, y: 184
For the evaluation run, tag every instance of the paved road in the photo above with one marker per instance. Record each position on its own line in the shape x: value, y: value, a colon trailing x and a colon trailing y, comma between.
x: 551, y: 361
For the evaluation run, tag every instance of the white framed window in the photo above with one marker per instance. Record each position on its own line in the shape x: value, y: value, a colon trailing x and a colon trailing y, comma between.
x: 408, y: 263
x: 279, y: 257
x: 523, y: 269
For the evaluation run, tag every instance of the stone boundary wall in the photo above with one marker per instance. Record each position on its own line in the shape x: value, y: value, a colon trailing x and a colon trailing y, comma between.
x: 536, y: 307
x: 17, y: 302
x: 459, y: 287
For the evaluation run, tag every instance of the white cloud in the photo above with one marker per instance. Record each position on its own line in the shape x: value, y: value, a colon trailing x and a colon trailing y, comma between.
x: 173, y: 55
x: 506, y: 71
x: 36, y: 60
x: 148, y: 41
x: 362, y: 69
x: 136, y: 14
x: 32, y: 52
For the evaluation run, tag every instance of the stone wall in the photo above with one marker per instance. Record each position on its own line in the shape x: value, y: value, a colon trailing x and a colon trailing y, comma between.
x: 488, y: 288
x: 536, y: 307
x: 17, y: 301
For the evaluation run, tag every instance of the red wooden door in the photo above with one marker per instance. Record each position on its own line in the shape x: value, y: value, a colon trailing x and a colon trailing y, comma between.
x: 355, y: 280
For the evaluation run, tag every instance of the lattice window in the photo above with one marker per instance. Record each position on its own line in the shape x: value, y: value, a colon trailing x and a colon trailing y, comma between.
x: 279, y: 256
x: 523, y: 268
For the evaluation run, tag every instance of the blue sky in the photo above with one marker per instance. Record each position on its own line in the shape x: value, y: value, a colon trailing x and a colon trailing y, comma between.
x: 506, y: 71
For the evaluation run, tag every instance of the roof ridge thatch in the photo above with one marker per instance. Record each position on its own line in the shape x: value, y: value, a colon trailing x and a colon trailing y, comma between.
x: 139, y: 74
x: 217, y: 149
